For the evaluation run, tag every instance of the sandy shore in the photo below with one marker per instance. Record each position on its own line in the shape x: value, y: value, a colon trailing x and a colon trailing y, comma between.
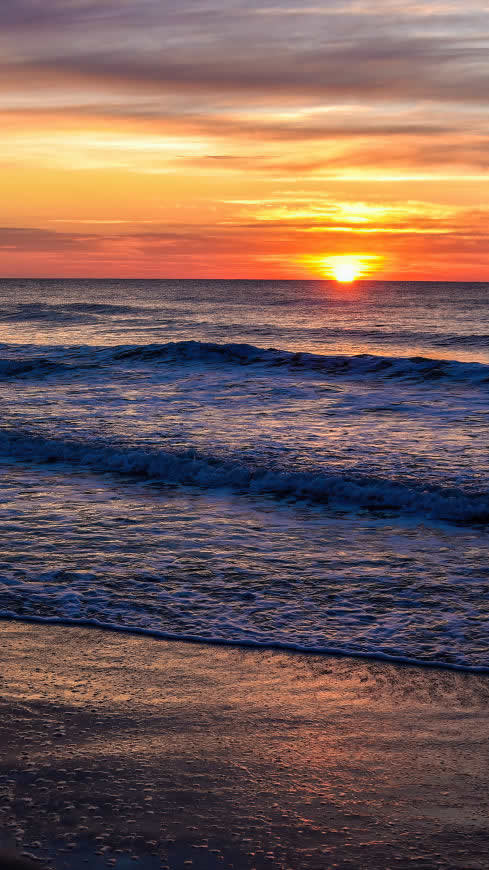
x: 118, y: 749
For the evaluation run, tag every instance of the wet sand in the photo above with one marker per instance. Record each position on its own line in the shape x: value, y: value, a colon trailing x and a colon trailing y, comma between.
x: 125, y: 751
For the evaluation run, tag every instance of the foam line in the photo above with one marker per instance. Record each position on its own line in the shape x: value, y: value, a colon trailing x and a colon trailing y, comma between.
x: 243, y: 644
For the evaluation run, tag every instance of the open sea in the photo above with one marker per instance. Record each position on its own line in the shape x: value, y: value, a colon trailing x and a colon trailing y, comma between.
x: 293, y: 464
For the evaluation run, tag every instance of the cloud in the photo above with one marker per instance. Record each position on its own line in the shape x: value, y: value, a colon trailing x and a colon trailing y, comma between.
x: 254, y: 224
x: 35, y: 239
x: 286, y: 248
x: 334, y: 52
x: 380, y: 70
x: 238, y: 100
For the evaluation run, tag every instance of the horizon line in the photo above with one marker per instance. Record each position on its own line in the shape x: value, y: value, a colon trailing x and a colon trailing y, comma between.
x: 263, y: 280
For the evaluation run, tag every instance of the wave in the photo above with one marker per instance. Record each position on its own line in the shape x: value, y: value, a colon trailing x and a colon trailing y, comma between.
x: 31, y: 367
x: 193, y: 468
x: 382, y: 335
x: 358, y: 366
x: 244, y: 643
x: 62, y: 313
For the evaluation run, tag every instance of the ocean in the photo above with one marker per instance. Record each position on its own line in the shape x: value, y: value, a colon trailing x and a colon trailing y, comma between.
x: 273, y: 463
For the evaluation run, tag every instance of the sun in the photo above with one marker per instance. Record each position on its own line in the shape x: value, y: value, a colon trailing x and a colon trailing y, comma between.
x: 346, y: 268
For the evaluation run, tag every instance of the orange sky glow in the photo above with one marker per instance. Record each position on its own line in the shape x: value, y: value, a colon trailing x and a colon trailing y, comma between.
x: 245, y: 141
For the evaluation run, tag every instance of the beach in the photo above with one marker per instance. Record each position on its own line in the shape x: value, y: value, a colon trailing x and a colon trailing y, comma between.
x: 244, y: 478
x: 121, y: 750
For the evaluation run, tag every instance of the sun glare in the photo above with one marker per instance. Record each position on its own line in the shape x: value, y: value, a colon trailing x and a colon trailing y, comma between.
x: 346, y: 268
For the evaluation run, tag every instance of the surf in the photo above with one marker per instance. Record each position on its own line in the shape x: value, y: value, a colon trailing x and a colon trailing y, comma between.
x: 189, y: 467
x: 418, y: 370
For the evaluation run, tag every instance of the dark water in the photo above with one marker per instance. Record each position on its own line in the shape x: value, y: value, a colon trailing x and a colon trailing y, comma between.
x: 260, y: 462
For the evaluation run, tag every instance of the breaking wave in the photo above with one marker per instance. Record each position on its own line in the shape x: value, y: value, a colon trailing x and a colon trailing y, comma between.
x: 358, y: 365
x: 415, y: 369
x: 194, y: 468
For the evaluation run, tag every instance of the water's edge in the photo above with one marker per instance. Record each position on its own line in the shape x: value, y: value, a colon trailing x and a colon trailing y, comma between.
x: 6, y: 616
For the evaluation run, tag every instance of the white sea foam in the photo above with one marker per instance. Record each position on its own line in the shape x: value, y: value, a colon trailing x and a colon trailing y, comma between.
x: 193, y: 468
x: 247, y: 643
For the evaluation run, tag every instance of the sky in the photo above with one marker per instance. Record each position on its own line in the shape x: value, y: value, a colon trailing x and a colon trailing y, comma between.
x: 244, y: 139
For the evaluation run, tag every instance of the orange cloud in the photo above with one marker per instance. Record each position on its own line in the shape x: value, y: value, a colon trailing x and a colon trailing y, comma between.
x: 167, y: 139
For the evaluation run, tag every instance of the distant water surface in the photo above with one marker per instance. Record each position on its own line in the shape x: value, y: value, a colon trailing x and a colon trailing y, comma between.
x: 291, y: 463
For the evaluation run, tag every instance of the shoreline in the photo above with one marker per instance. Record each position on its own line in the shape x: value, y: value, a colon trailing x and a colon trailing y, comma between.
x: 121, y: 747
x: 273, y: 646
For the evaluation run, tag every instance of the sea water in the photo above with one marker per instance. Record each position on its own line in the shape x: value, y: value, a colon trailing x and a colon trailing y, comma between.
x: 300, y: 464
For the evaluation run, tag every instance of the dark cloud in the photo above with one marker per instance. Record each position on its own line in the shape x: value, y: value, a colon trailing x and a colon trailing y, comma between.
x: 27, y: 16
x: 353, y: 51
x: 34, y: 239
x: 409, y: 69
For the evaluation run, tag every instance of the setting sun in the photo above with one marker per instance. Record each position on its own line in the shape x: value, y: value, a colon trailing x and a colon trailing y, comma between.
x: 345, y: 268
